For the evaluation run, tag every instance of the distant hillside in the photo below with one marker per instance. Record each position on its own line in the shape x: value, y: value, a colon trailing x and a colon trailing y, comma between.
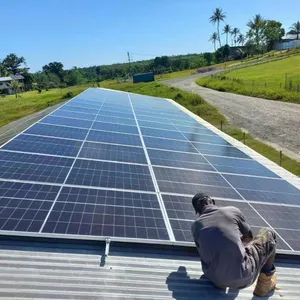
x: 163, y: 64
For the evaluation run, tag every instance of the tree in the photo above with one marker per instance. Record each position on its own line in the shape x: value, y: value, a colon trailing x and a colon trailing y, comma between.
x: 295, y: 30
x: 241, y: 39
x: 15, y: 86
x: 216, y: 18
x: 3, y: 71
x: 209, y: 57
x: 235, y: 31
x: 55, y: 68
x: 222, y: 53
x: 12, y: 63
x: 213, y: 39
x: 226, y: 30
x: 256, y: 27
x: 272, y: 32
x: 73, y: 77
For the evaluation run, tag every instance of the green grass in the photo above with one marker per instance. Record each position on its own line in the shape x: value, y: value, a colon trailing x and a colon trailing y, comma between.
x: 13, y: 108
x: 197, y: 105
x: 31, y: 102
x: 177, y: 74
x: 278, y: 80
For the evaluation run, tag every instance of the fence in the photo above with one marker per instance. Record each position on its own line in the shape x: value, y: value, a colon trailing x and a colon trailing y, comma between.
x: 288, y: 82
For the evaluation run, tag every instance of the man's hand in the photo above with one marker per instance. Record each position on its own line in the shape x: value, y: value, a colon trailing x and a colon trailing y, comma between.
x: 246, y: 239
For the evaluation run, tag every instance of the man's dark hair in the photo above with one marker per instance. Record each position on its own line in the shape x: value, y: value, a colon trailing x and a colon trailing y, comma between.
x: 200, y: 200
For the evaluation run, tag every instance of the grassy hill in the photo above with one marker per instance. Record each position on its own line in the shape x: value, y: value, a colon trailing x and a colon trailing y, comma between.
x: 277, y: 80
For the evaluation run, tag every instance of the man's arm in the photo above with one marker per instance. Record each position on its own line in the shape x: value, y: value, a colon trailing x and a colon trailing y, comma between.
x: 244, y: 227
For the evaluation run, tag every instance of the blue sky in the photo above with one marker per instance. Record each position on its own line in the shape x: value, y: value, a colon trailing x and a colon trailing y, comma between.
x: 93, y: 32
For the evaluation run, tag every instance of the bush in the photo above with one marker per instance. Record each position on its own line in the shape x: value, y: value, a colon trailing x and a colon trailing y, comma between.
x: 68, y: 95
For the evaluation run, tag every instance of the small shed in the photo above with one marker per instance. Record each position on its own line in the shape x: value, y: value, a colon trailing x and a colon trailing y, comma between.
x: 5, y: 83
x: 144, y: 77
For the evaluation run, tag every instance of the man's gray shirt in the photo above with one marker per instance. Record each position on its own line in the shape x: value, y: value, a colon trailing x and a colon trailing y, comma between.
x: 217, y: 235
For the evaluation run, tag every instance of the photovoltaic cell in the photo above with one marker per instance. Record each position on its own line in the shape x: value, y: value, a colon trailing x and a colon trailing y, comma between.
x: 179, y: 160
x: 272, y: 197
x: 44, y: 145
x: 142, y: 117
x: 108, y: 197
x: 116, y: 114
x: 219, y: 150
x: 261, y: 184
x: 180, y: 207
x: 196, y: 129
x: 23, y: 215
x: 113, y: 153
x: 157, y: 125
x: 239, y: 166
x: 67, y: 122
x: 169, y: 144
x: 162, y: 133
x: 278, y: 216
x: 188, y: 176
x: 35, y: 159
x: 82, y: 109
x: 33, y: 172
x: 86, y: 103
x: 72, y: 114
x: 192, y: 189
x: 111, y: 175
x: 115, y: 127
x: 19, y: 190
x: 100, y: 220
x: 205, y: 138
x: 116, y: 120
x: 57, y: 131
x: 114, y: 138
x: 292, y: 237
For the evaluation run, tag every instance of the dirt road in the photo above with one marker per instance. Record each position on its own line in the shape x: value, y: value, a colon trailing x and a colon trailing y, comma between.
x: 274, y: 122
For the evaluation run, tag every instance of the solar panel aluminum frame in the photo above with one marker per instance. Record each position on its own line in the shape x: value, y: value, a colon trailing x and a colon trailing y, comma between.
x: 86, y: 238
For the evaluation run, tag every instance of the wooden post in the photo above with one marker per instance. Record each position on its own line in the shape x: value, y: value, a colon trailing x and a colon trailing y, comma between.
x: 222, y: 125
x: 244, y: 138
x: 285, y: 80
x: 280, y: 162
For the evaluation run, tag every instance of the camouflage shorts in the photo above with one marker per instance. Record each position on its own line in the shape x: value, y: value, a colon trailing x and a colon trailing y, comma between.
x: 261, y: 248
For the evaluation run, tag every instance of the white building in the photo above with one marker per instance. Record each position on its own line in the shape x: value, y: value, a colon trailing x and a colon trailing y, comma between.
x: 5, y: 83
x: 286, y: 44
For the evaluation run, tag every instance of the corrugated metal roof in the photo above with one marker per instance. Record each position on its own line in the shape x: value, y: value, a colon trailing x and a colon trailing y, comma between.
x: 5, y: 79
x: 14, y: 77
x: 47, y: 271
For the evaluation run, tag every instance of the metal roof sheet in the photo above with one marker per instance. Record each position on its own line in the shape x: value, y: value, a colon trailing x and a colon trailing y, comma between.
x: 47, y: 271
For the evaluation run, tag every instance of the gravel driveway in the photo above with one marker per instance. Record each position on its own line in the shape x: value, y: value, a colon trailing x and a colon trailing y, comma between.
x: 274, y: 122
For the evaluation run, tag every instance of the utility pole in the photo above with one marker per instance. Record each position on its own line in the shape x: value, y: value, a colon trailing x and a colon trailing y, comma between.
x: 128, y: 54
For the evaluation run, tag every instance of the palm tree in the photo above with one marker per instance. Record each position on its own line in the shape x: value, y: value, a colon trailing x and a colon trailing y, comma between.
x: 15, y: 86
x: 295, y: 30
x: 226, y: 30
x: 241, y: 39
x: 217, y: 16
x: 256, y: 25
x: 213, y: 38
x: 235, y: 31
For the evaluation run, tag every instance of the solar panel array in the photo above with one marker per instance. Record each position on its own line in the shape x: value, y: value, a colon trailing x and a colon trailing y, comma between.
x: 114, y: 164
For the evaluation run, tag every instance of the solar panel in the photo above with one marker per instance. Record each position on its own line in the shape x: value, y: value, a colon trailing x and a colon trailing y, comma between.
x: 125, y: 166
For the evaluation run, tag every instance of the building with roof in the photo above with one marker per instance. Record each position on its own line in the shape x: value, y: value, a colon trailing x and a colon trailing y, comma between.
x: 95, y: 202
x: 5, y: 83
x: 286, y: 44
